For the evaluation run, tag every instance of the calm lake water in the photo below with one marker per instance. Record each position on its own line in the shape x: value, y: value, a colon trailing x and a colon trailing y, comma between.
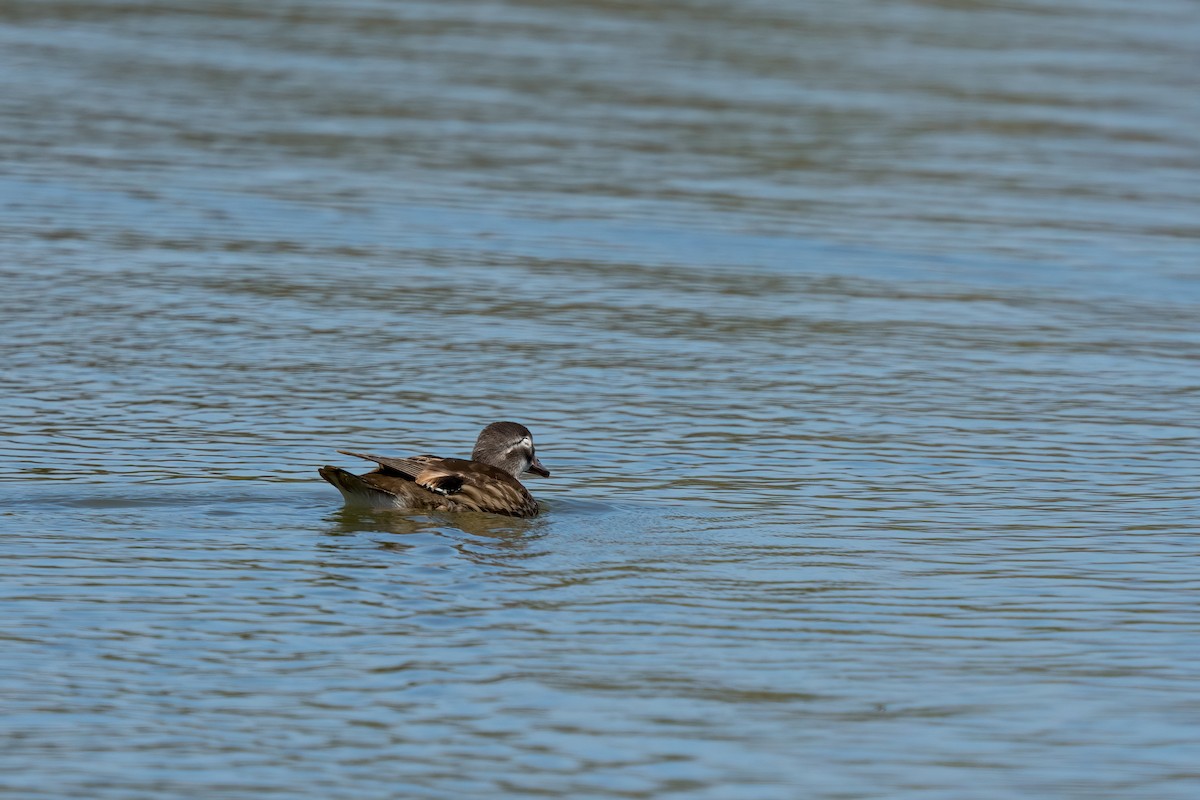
x: 862, y: 340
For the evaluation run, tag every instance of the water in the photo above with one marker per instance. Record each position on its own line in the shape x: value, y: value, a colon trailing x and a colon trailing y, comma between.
x: 860, y: 339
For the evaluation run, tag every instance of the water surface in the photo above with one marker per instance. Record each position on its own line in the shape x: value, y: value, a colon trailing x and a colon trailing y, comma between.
x: 860, y: 339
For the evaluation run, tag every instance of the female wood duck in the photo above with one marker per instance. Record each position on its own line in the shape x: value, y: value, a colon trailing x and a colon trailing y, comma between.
x: 488, y: 482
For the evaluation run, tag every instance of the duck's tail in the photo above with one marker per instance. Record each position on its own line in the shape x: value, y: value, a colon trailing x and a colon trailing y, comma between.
x: 355, y: 490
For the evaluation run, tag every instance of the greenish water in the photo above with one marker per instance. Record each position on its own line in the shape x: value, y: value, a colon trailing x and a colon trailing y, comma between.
x: 860, y: 340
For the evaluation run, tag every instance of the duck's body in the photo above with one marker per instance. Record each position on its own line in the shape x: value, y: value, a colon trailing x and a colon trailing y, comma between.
x: 487, y: 482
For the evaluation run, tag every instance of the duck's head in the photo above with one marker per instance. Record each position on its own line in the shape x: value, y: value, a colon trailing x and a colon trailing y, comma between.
x: 508, y: 446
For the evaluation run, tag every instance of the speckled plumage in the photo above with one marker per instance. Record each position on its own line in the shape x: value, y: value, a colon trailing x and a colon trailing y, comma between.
x: 487, y: 482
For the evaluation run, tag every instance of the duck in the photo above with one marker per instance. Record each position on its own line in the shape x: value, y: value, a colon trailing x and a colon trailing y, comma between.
x: 487, y: 482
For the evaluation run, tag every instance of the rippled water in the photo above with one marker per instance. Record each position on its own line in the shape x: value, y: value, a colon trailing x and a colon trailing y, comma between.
x: 860, y: 338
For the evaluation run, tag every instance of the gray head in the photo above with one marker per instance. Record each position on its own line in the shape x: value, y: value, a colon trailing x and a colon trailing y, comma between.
x: 508, y: 446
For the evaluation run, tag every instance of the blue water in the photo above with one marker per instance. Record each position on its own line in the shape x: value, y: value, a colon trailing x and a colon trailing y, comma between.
x: 860, y: 341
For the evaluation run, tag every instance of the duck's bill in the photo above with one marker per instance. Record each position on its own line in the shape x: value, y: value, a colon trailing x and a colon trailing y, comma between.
x: 537, y: 469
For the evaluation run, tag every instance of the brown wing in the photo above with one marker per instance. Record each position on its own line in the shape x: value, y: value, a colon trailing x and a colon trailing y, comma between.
x: 409, y: 467
x: 454, y: 484
x: 477, y: 487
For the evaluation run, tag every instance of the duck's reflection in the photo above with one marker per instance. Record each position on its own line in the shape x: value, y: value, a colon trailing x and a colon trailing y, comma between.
x: 477, y: 536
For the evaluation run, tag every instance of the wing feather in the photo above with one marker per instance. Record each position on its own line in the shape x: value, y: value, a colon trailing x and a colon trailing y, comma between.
x: 451, y: 484
x: 410, y: 467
